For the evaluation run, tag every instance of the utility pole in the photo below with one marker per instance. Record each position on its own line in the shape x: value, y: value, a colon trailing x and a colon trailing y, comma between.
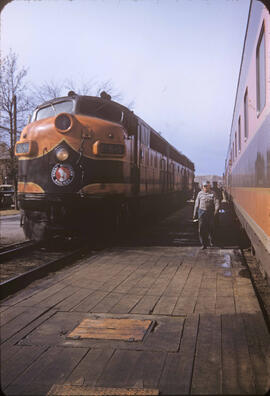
x: 14, y: 165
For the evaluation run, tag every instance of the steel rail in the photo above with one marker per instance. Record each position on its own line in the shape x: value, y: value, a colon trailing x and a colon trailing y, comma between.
x: 19, y: 282
x: 10, y: 250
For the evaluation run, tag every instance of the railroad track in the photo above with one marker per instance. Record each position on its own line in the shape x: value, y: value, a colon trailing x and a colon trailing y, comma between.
x: 23, y: 263
x: 10, y: 250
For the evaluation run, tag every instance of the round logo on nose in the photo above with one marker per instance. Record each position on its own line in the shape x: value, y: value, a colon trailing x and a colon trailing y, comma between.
x: 62, y: 175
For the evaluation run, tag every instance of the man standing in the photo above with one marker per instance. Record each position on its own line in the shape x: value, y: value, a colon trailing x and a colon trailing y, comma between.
x: 205, y: 208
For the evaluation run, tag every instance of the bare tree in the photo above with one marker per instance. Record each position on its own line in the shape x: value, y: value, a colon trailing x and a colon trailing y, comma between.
x: 15, y: 104
x: 51, y: 89
x: 46, y: 91
x: 108, y: 87
x: 85, y: 87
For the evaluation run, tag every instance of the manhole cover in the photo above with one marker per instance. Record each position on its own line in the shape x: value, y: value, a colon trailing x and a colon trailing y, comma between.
x: 111, y: 329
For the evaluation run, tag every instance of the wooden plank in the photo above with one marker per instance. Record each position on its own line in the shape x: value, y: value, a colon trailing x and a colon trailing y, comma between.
x: 237, y: 375
x: 165, y: 305
x: 207, y: 366
x: 119, y: 369
x: 258, y: 340
x: 177, y: 373
x: 53, y: 330
x: 186, y: 303
x: 205, y: 304
x: 166, y: 335
x: 90, y: 367
x: 147, y: 370
x: 113, y: 283
x: 162, y: 282
x: 246, y: 304
x: 149, y: 279
x: 52, y: 367
x: 126, y: 304
x: 11, y: 313
x: 87, y: 283
x: 3, y: 308
x: 177, y: 283
x: 131, y: 280
x: 19, y: 322
x: 187, y: 300
x: 21, y: 359
x: 41, y: 295
x: 59, y: 296
x: 7, y: 347
x: 225, y: 305
x: 90, y: 301
x: 224, y: 286
x: 208, y: 283
x: 75, y: 299
x: 225, y: 290
x: 145, y: 305
x: 145, y: 373
x: 108, y: 302
x: 123, y: 274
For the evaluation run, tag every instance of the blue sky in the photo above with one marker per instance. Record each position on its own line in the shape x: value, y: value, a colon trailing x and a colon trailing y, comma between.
x: 177, y: 60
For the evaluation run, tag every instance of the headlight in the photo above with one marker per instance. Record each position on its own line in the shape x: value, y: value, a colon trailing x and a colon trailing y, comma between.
x: 62, y: 154
x: 63, y: 122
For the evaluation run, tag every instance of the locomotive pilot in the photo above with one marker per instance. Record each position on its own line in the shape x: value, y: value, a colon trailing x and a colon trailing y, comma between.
x: 205, y: 208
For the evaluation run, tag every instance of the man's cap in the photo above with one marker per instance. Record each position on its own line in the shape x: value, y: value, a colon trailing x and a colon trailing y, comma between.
x: 206, y: 183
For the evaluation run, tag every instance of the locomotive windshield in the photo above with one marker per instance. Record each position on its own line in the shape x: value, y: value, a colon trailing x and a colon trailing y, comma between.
x: 53, y: 109
x: 107, y: 111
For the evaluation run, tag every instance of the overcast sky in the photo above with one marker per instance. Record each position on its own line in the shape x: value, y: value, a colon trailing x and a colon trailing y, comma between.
x: 178, y: 60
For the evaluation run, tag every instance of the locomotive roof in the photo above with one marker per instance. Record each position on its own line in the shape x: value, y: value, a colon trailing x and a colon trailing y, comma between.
x: 76, y: 97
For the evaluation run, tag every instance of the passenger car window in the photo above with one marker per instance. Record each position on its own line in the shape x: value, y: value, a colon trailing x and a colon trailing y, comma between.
x: 260, y: 72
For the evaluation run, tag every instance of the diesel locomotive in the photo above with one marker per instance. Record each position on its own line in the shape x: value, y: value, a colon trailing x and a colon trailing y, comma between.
x: 86, y: 160
x: 247, y: 167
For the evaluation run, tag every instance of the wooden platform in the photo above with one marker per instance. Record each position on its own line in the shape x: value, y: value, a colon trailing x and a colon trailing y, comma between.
x: 207, y: 332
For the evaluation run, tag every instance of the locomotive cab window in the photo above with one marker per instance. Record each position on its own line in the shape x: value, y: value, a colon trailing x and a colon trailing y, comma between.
x: 104, y: 110
x: 53, y: 109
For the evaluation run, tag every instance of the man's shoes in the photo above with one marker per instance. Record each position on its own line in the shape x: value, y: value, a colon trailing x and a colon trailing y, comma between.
x: 204, y: 247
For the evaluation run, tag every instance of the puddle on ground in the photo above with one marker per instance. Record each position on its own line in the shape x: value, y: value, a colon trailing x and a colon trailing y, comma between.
x: 227, y: 262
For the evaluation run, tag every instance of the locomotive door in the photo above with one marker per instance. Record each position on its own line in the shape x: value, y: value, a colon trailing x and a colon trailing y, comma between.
x: 163, y: 174
x: 136, y: 167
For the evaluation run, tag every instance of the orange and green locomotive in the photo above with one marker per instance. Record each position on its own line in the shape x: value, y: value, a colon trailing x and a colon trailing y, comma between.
x: 86, y: 160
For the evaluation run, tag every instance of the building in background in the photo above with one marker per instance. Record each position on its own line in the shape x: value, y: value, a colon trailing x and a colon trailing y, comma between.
x: 212, y: 178
x: 5, y: 169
